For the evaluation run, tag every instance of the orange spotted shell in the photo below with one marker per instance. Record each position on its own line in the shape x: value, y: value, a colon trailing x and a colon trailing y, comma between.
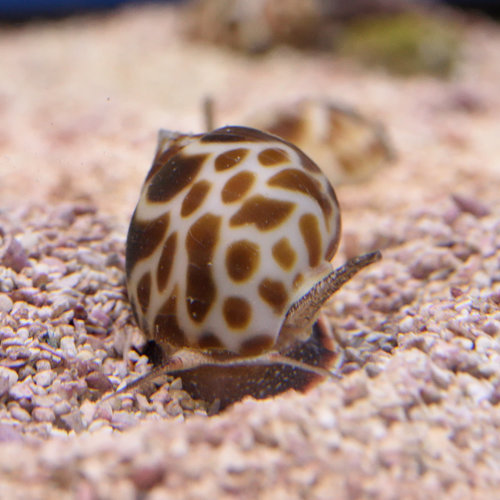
x: 232, y: 227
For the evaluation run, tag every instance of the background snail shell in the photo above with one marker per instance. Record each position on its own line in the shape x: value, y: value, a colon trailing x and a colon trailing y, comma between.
x: 349, y: 145
x: 232, y: 229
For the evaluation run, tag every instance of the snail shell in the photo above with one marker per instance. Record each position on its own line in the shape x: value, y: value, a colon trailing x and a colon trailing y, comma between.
x: 349, y: 146
x: 232, y: 230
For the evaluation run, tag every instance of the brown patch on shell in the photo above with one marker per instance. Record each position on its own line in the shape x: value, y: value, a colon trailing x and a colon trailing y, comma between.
x: 271, y: 157
x: 284, y: 254
x: 273, y: 293
x: 210, y: 341
x: 144, y: 292
x: 143, y: 239
x: 306, y: 162
x: 201, y: 241
x: 242, y: 259
x: 311, y: 234
x: 237, y: 312
x: 256, y: 345
x: 237, y: 186
x: 194, y: 198
x: 166, y: 261
x: 230, y: 159
x: 298, y: 280
x: 265, y: 213
x: 237, y: 134
x: 297, y: 180
x: 162, y: 158
x: 166, y: 327
x: 333, y: 244
x: 174, y: 176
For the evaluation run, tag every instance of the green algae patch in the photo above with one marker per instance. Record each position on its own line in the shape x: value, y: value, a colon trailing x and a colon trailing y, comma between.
x: 405, y: 44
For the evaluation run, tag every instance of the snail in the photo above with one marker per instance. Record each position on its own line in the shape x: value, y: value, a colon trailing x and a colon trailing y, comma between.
x: 349, y: 145
x: 228, y: 263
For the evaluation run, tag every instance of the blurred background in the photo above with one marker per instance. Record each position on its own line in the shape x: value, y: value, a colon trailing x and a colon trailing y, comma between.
x: 362, y: 86
x: 28, y: 9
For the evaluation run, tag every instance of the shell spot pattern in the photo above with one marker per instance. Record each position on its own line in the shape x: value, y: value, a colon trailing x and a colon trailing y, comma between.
x: 257, y: 345
x: 309, y: 228
x: 160, y: 160
x: 144, y: 237
x: 201, y: 290
x: 165, y: 262
x: 242, y: 260
x: 237, y: 312
x: 296, y: 180
x: 284, y: 254
x: 273, y: 156
x: 225, y: 224
x: 274, y: 293
x: 230, y: 158
x: 265, y: 213
x: 194, y: 198
x: 237, y: 186
x: 209, y: 341
x: 173, y: 177
x: 144, y: 291
x: 166, y: 321
x: 236, y: 134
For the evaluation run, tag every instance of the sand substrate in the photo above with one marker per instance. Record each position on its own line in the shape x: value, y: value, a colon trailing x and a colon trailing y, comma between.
x: 416, y: 414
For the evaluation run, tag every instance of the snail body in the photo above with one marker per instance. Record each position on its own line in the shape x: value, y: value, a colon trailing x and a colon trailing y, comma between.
x: 228, y: 262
